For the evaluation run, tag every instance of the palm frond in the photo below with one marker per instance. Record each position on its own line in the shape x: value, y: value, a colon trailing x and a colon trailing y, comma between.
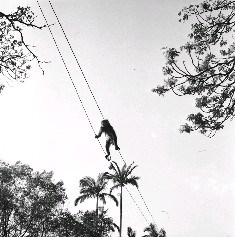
x: 100, y: 177
x: 130, y: 168
x: 87, y: 182
x: 133, y: 181
x: 123, y: 170
x: 89, y: 190
x: 101, y: 181
x: 116, y: 226
x: 111, y: 197
x: 107, y: 175
x: 81, y: 199
x: 115, y: 167
x: 102, y: 198
x: 111, y: 166
x: 147, y: 229
x: 114, y: 187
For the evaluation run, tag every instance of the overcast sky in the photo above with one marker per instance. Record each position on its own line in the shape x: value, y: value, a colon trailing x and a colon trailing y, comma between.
x: 118, y: 44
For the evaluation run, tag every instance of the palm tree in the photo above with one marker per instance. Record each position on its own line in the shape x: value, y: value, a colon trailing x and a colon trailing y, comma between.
x: 153, y: 231
x: 120, y: 178
x: 131, y: 232
x: 162, y: 233
x: 94, y: 189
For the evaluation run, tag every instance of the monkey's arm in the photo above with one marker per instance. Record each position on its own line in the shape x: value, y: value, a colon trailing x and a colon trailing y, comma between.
x: 99, y: 133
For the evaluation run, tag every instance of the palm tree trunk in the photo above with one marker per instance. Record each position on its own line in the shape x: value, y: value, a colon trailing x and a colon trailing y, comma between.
x: 96, y: 210
x: 120, y: 213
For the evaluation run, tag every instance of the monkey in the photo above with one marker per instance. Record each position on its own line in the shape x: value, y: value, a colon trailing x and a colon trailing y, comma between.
x: 111, y: 137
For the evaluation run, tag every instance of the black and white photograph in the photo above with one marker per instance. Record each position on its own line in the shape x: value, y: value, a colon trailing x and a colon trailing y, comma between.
x: 117, y: 118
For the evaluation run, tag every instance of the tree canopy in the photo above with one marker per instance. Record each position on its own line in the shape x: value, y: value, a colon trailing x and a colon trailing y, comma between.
x: 204, y: 66
x: 15, y: 54
x: 153, y: 231
x: 121, y: 177
x: 32, y: 204
x: 29, y: 201
x: 91, y: 188
x: 93, y: 227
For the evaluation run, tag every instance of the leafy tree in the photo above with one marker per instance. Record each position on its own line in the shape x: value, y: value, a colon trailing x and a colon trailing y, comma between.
x: 67, y: 225
x: 94, y: 189
x: 204, y: 66
x: 92, y: 228
x: 15, y: 54
x: 153, y: 231
x: 29, y: 201
x: 120, y: 178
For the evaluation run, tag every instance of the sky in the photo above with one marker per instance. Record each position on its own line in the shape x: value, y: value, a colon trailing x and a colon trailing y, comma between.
x: 119, y: 46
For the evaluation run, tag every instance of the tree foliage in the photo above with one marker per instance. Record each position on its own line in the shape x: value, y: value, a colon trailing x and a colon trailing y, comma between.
x: 93, y: 228
x: 152, y: 231
x: 121, y: 177
x: 131, y: 232
x: 91, y: 188
x: 15, y: 54
x: 204, y: 66
x: 32, y: 205
x: 29, y: 201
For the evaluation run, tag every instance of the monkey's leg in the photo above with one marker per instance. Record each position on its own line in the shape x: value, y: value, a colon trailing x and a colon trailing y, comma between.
x: 114, y: 141
x: 107, y: 146
x: 116, y: 145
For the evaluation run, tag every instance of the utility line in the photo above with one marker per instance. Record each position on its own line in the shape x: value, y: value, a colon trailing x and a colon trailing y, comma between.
x: 146, y: 206
x: 137, y: 205
x: 88, y: 88
x: 71, y: 79
x: 76, y: 59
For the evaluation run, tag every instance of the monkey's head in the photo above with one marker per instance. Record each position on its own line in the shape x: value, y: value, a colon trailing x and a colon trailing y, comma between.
x: 105, y: 123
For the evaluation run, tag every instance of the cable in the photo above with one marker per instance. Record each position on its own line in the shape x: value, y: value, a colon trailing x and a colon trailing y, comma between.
x: 70, y: 46
x: 57, y: 47
x: 146, y: 206
x: 89, y: 90
x: 76, y: 59
x: 137, y: 205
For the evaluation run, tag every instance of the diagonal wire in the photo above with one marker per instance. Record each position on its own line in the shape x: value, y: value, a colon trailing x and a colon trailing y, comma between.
x: 76, y: 59
x: 137, y: 205
x: 89, y: 90
x: 146, y: 206
x: 88, y: 85
x: 71, y: 79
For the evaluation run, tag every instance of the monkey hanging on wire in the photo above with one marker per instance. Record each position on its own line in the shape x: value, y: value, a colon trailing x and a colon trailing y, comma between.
x: 111, y: 137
